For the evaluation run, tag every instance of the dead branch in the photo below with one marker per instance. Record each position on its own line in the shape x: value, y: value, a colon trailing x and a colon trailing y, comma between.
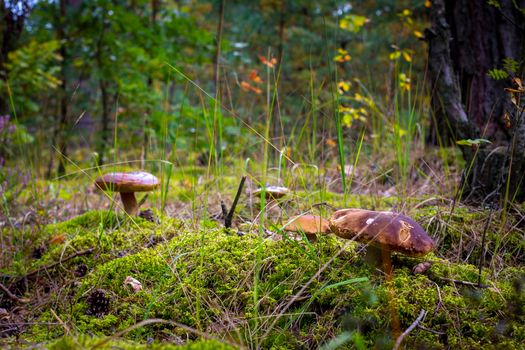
x: 53, y: 265
x: 228, y: 219
x: 12, y: 296
x: 409, y: 329
x: 465, y: 283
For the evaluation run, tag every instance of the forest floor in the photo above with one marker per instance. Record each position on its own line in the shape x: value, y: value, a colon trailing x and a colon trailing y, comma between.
x: 79, y: 273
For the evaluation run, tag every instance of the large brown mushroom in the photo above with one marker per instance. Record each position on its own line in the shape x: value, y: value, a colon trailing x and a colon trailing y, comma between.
x: 127, y: 184
x: 311, y: 225
x: 383, y: 231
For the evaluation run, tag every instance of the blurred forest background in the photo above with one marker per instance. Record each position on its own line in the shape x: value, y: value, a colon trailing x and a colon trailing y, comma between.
x: 90, y: 76
x: 97, y: 82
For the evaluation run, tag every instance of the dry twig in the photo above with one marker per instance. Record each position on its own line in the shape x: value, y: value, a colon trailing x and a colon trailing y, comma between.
x: 12, y: 296
x: 410, y: 329
x: 50, y: 266
x: 465, y: 283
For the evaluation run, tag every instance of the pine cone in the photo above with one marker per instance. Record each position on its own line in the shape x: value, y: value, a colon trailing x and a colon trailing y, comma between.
x: 98, y: 303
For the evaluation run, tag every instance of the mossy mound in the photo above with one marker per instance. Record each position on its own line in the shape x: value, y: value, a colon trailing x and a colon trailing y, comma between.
x: 255, y: 290
x: 84, y: 342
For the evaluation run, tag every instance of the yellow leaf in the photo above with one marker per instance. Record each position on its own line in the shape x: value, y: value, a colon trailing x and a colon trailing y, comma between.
x: 404, y: 82
x: 343, y: 86
x: 428, y: 3
x: 394, y: 55
x: 418, y: 34
x: 353, y: 23
x: 407, y: 56
x: 347, y: 120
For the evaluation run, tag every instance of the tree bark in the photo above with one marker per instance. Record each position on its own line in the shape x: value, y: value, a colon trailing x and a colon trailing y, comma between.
x: 105, y: 116
x: 217, y: 85
x: 145, y: 118
x: 63, y: 117
x: 278, y: 136
x: 466, y: 40
x: 105, y: 100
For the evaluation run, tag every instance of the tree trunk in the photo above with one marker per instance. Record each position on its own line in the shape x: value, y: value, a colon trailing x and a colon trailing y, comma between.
x: 145, y: 118
x: 467, y: 39
x: 104, y: 132
x: 105, y: 101
x: 278, y: 136
x: 217, y: 85
x: 63, y: 117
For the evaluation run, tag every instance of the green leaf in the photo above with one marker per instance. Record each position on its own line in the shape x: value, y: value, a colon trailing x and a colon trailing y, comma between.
x: 471, y: 142
x: 510, y: 65
x: 498, y: 74
x: 494, y: 3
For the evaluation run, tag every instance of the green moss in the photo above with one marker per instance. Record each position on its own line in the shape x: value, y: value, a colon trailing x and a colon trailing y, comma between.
x: 247, y: 288
x: 107, y: 233
x: 73, y: 343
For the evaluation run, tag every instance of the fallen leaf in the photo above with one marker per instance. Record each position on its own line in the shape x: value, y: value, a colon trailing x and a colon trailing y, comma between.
x: 422, y: 268
x: 60, y: 238
x: 134, y: 283
x: 331, y: 143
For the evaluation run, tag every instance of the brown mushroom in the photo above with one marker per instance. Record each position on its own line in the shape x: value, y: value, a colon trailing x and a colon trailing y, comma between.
x: 383, y: 231
x: 311, y: 225
x: 272, y: 192
x: 127, y: 184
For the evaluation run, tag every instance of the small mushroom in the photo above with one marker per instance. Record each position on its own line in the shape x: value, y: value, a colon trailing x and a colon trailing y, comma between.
x: 272, y: 192
x: 311, y: 225
x: 127, y: 184
x: 383, y: 231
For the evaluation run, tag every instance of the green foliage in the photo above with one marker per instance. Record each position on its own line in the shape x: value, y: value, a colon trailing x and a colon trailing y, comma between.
x: 472, y: 142
x: 494, y: 3
x: 32, y: 71
x: 498, y: 74
x: 510, y: 65
x: 13, y: 138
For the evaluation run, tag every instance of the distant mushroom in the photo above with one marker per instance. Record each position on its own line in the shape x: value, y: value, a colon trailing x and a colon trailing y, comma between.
x: 311, y: 225
x: 127, y: 184
x: 272, y: 192
x: 383, y: 231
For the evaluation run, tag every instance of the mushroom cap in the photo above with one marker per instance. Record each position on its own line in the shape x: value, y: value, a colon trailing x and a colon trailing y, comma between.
x: 137, y: 181
x: 395, y: 231
x: 310, y: 224
x: 273, y: 192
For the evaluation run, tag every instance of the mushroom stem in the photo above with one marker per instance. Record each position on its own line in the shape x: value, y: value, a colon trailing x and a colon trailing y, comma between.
x: 380, y: 257
x: 130, y: 202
